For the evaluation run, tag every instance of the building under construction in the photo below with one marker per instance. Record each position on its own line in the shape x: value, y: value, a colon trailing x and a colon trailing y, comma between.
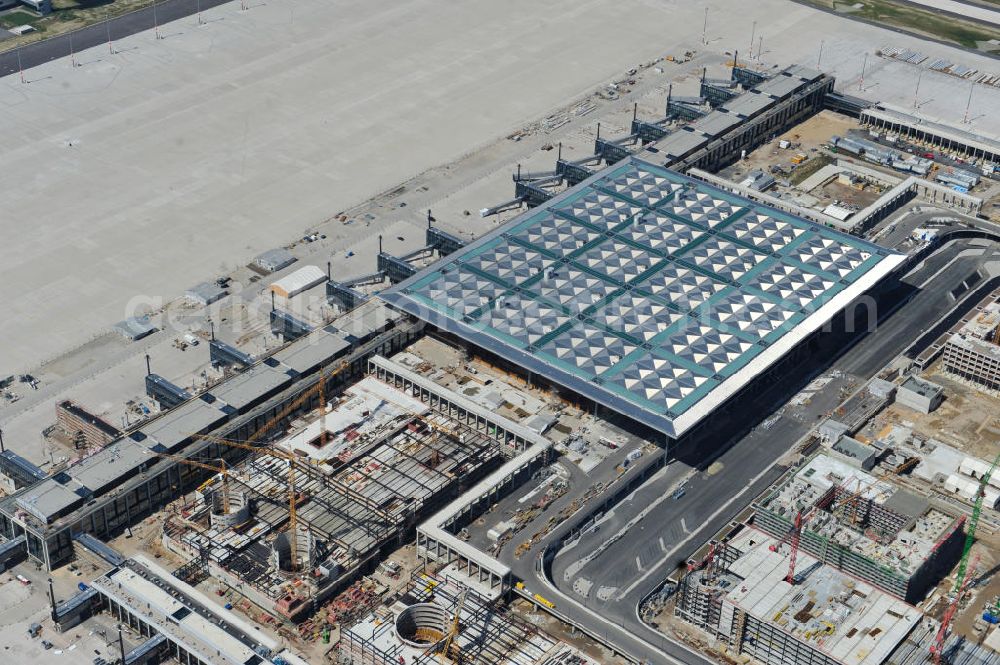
x: 84, y: 428
x: 973, y: 353
x: 440, y: 619
x: 823, y: 617
x: 137, y: 474
x: 891, y: 538
x: 365, y: 471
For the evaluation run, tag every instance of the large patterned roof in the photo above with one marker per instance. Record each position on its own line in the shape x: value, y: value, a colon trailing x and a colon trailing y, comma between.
x: 645, y: 290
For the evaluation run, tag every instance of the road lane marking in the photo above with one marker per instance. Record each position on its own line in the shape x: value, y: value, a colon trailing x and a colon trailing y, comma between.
x: 704, y: 522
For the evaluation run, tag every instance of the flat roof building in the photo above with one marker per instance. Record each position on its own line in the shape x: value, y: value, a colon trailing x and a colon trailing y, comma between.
x: 153, y: 602
x: 17, y: 473
x: 973, y: 353
x: 134, y: 328
x: 205, y: 293
x: 646, y: 291
x: 126, y: 481
x: 933, y: 133
x: 864, y: 526
x: 744, y: 121
x: 919, y: 395
x: 855, y: 453
x: 274, y: 260
x: 825, y: 618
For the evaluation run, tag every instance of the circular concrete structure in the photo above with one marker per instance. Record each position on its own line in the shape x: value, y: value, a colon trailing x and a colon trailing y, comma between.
x: 239, y: 510
x: 422, y: 625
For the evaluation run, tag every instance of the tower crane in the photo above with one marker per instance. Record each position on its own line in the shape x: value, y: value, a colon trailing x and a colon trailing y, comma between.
x: 795, y: 532
x: 708, y: 564
x: 970, y: 535
x: 850, y: 503
x: 222, y: 470
x: 322, y: 414
x: 962, y: 581
x: 937, y: 648
x: 269, y: 426
x: 307, y: 394
x: 291, y: 458
x: 445, y: 653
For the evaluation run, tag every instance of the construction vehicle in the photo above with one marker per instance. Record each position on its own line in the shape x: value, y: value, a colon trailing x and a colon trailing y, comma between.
x: 445, y: 654
x: 541, y: 600
x: 970, y: 535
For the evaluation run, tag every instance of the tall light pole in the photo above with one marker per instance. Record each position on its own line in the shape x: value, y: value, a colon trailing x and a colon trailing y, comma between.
x: 704, y: 29
x: 156, y: 23
x: 968, y: 104
x: 753, y: 32
x: 107, y: 22
x: 916, y: 91
x: 864, y: 64
x: 819, y: 58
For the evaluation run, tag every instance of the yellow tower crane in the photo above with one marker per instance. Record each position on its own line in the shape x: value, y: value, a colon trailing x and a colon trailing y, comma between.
x: 269, y: 426
x: 445, y: 653
x: 291, y: 458
x: 222, y: 470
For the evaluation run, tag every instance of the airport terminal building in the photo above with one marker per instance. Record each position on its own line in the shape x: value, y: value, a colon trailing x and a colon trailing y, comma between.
x: 645, y: 293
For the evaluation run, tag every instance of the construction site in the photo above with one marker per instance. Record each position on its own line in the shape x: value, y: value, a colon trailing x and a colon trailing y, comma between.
x: 295, y: 524
x: 878, y: 548
x: 450, y: 453
x: 746, y: 596
x: 441, y: 619
x: 866, y: 527
x: 834, y: 566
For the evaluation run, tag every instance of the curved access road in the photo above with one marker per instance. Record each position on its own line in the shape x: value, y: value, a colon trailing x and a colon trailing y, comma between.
x: 627, y: 552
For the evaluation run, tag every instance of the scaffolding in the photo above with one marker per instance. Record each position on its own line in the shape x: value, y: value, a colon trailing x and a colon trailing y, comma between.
x: 866, y: 527
x: 348, y: 506
x: 825, y: 618
x: 486, y: 635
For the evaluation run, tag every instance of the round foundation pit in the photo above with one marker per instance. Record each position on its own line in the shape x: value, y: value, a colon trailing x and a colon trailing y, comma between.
x: 422, y: 625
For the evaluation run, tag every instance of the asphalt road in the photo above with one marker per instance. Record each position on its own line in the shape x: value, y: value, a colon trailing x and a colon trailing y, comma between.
x: 671, y: 530
x: 38, y: 53
x: 917, y: 316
